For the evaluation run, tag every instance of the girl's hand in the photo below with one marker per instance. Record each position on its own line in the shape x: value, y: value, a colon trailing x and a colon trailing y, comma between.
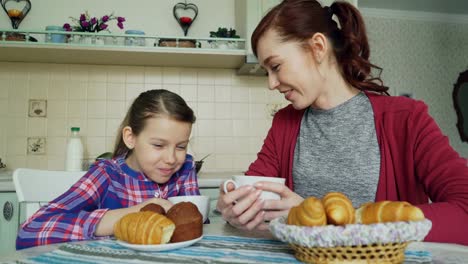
x: 241, y: 207
x: 276, y: 208
x: 105, y: 227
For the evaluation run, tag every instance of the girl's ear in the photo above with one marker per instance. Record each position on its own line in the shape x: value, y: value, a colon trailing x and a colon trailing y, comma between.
x: 318, y: 44
x: 128, y: 137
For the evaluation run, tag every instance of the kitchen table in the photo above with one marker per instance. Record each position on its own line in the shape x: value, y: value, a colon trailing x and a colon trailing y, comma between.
x: 219, y: 239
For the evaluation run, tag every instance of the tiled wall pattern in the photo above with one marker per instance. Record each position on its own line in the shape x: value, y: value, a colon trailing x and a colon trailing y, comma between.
x: 233, y: 112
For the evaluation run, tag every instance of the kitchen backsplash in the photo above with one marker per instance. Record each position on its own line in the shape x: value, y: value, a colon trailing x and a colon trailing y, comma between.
x: 233, y: 112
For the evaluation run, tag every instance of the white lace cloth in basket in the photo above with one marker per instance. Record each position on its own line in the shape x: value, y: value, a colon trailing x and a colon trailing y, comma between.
x: 350, y: 235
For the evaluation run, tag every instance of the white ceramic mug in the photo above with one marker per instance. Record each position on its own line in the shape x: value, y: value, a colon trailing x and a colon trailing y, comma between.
x: 201, y: 201
x: 242, y: 180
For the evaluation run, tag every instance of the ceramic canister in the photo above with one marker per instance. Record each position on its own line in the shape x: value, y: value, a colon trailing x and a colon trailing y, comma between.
x: 55, y: 38
x: 129, y: 41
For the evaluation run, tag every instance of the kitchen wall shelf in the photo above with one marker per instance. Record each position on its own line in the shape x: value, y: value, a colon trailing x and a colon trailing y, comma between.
x: 119, y: 52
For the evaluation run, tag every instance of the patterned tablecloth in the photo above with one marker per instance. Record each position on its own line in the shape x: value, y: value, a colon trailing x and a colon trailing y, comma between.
x: 211, y: 249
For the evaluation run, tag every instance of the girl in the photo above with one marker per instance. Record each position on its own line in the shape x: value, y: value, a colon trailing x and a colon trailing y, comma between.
x: 150, y: 164
x: 341, y: 131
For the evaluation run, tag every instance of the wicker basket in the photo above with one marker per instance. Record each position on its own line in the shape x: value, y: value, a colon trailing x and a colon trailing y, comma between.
x: 377, y: 253
x: 353, y: 243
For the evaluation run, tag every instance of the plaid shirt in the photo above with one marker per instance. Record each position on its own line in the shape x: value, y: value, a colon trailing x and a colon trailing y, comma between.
x: 109, y: 184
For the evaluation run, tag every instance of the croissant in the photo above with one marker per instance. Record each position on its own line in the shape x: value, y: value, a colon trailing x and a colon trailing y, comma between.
x: 388, y: 211
x: 144, y: 228
x: 309, y: 213
x: 338, y: 208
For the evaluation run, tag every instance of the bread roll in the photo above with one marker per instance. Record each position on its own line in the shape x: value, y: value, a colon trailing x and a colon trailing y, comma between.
x: 144, y: 228
x: 188, y: 221
x: 309, y: 213
x: 388, y: 211
x: 153, y: 208
x: 338, y: 209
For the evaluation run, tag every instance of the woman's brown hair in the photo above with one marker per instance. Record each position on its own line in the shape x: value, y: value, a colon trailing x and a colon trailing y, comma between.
x: 298, y: 20
x: 149, y: 104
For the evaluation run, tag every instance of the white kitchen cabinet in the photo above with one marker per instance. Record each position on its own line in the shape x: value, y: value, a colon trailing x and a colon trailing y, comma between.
x: 8, y: 222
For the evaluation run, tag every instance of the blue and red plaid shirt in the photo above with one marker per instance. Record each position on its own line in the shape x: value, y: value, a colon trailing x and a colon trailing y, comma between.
x: 109, y: 184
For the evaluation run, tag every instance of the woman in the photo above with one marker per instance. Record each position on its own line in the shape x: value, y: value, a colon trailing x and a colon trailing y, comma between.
x: 342, y: 132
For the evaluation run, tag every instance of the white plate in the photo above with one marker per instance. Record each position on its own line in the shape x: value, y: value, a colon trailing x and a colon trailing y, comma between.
x: 162, y: 247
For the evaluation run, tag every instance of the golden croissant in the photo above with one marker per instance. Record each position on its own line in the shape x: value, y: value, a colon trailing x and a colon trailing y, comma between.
x: 388, y: 211
x: 338, y: 208
x: 309, y: 213
x: 145, y: 228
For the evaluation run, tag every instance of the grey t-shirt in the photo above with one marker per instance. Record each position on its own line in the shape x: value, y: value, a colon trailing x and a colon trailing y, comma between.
x: 337, y: 151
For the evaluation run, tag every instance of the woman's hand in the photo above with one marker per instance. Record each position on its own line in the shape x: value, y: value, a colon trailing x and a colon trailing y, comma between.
x: 276, y: 208
x: 241, y: 207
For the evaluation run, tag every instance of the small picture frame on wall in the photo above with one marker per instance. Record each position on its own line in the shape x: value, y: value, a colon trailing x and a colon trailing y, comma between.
x: 37, y: 108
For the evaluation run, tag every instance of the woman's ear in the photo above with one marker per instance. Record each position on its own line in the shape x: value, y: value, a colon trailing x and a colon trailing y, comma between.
x: 318, y: 45
x: 128, y: 137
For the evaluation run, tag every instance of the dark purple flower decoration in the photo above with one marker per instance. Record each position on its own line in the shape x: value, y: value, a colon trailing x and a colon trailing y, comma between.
x: 87, y: 24
x: 103, y: 26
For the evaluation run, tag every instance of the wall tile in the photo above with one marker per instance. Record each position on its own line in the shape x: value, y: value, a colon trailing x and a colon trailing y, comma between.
x: 79, y: 73
x: 77, y: 122
x: 38, y: 89
x: 223, y: 145
x: 223, y: 128
x: 223, y: 77
x: 77, y: 109
x: 97, y: 91
x: 97, y: 109
x: 37, y: 127
x: 188, y: 92
x: 135, y: 75
x: 56, y: 109
x: 206, y: 110
x: 206, y: 93
x: 222, y: 93
x: 59, y: 72
x: 116, y: 109
x: 188, y: 76
x: 96, y: 146
x: 175, y: 88
x: 116, y: 91
x: 4, y: 88
x: 205, y: 77
x: 205, y: 128
x: 133, y: 90
x: 240, y: 94
x: 3, y: 107
x: 56, y: 146
x: 77, y: 90
x: 16, y: 127
x: 171, y: 75
x: 153, y: 75
x: 116, y: 74
x: 240, y: 110
x: 16, y: 146
x: 241, y: 128
x: 99, y: 73
x: 57, y: 127
x: 223, y: 110
x: 112, y: 127
x: 96, y: 127
x: 18, y: 89
x: 58, y: 90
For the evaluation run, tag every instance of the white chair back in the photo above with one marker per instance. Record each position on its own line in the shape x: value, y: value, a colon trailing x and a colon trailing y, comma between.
x: 35, y: 188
